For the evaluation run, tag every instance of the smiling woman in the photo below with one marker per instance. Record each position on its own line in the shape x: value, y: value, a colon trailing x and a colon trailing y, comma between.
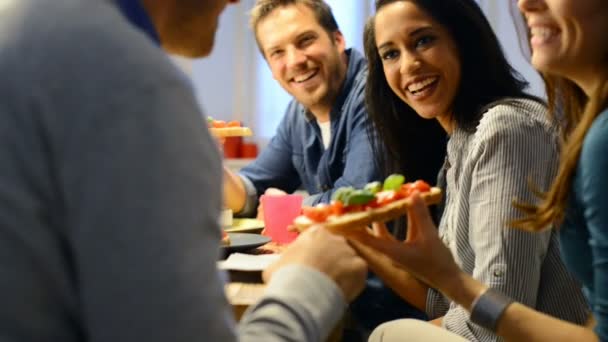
x: 425, y: 69
x: 420, y: 61
x: 568, y: 46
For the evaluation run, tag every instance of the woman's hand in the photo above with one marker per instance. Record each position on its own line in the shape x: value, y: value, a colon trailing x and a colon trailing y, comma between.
x: 392, y: 273
x: 422, y: 254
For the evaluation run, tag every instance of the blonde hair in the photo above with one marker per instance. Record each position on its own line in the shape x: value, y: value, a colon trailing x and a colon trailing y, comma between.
x: 576, y: 113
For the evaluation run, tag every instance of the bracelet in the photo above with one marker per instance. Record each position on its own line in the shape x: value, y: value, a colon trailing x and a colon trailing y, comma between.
x: 488, y: 307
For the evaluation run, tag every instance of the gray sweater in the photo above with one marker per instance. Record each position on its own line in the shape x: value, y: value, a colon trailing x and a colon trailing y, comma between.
x: 110, y: 191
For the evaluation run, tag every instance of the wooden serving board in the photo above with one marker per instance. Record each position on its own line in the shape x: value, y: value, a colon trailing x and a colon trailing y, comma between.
x: 231, y: 132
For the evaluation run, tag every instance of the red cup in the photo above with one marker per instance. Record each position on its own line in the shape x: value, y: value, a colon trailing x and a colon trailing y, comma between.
x: 249, y: 150
x: 232, y: 147
x: 279, y: 212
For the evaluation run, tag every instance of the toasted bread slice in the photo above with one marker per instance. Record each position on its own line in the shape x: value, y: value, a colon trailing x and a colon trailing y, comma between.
x: 231, y: 132
x: 365, y: 218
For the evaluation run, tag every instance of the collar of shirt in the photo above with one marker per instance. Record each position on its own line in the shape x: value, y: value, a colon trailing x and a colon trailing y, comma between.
x: 355, y: 59
x: 137, y: 16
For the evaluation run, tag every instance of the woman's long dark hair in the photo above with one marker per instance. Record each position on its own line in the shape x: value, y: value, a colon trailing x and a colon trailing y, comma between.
x: 415, y: 146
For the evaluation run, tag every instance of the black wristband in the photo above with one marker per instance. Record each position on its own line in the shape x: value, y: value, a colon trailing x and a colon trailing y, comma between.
x: 487, y: 309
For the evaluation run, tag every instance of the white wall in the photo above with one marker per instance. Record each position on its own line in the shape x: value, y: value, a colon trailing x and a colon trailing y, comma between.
x: 506, y: 20
x: 218, y: 78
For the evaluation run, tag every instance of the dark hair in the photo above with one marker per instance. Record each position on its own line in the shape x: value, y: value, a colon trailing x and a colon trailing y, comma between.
x: 416, y: 145
x: 320, y: 8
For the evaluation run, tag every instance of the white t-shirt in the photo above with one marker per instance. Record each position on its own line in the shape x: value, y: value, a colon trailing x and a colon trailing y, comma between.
x: 325, y: 132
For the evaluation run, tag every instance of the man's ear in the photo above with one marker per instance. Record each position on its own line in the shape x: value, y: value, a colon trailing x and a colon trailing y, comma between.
x: 339, y: 40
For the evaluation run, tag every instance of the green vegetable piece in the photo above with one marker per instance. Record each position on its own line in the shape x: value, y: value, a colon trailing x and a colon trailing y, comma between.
x: 209, y: 119
x: 373, y: 187
x: 341, y: 193
x: 393, y: 182
x: 359, y: 197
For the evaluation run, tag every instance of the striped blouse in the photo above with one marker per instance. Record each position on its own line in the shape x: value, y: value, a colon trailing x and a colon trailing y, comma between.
x: 486, y: 170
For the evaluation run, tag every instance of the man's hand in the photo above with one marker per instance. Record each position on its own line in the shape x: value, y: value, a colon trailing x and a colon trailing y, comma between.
x: 268, y: 192
x: 235, y: 194
x: 329, y: 254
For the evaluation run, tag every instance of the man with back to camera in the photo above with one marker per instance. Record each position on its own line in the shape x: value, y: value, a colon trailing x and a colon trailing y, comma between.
x: 322, y: 142
x: 110, y: 188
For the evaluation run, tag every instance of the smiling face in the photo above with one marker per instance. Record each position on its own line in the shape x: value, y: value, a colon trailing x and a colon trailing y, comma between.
x: 419, y: 58
x: 305, y: 59
x: 568, y: 36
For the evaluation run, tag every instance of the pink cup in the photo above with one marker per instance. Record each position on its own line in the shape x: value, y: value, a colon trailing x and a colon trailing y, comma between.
x: 279, y: 212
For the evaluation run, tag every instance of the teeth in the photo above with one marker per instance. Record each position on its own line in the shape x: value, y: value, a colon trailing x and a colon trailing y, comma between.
x: 304, y: 77
x: 542, y: 32
x: 414, y: 87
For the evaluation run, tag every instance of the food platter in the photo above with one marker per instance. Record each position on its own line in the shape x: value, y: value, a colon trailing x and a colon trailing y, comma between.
x: 231, y: 132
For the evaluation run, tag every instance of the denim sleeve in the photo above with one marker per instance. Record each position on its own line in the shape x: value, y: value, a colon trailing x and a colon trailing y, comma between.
x: 360, y: 167
x: 593, y: 165
x: 273, y: 167
x: 251, y: 201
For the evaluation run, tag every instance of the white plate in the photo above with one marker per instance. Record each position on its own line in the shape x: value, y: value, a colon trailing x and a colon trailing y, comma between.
x: 247, y: 262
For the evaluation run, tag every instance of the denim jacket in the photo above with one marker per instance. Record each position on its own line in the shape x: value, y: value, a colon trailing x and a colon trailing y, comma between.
x: 297, y: 158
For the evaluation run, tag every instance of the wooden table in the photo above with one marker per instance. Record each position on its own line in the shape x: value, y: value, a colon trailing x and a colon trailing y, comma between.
x: 246, y: 288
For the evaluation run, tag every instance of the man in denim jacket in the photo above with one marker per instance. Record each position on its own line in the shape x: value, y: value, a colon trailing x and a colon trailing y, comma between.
x: 322, y: 142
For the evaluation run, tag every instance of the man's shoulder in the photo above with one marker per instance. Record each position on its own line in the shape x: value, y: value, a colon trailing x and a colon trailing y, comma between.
x: 358, y: 78
x: 84, y: 42
x: 58, y: 16
x: 295, y: 110
x: 55, y: 28
x: 359, y: 70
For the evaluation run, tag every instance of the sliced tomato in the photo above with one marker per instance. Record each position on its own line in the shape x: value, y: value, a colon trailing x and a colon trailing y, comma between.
x: 406, y: 190
x: 233, y: 124
x: 337, y: 208
x: 372, y: 204
x: 354, y: 208
x: 385, y: 197
x: 318, y: 213
x: 421, y: 186
x: 218, y: 124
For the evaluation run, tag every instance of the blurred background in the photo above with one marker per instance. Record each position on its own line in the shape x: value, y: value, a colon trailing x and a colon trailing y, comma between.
x: 236, y: 84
